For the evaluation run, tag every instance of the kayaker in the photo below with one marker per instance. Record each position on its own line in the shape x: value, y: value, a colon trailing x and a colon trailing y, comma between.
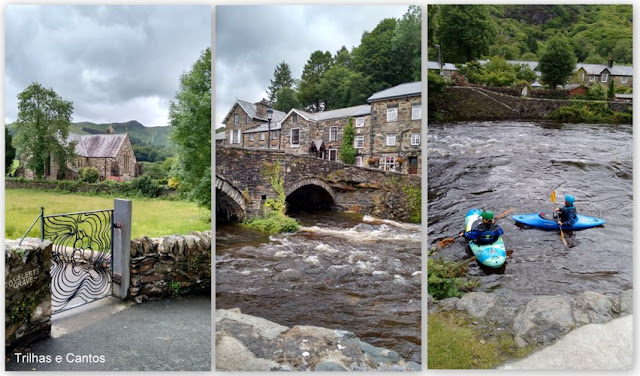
x: 486, y: 232
x: 567, y: 214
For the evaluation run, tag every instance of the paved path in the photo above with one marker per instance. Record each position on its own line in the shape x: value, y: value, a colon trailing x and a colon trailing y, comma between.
x: 592, y: 346
x: 167, y: 335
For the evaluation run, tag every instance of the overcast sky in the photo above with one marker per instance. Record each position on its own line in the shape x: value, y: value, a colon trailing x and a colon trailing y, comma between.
x: 250, y: 41
x: 115, y: 63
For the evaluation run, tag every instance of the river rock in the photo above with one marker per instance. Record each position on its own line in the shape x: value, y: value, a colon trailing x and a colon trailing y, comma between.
x: 483, y: 306
x: 543, y: 319
x: 625, y: 303
x: 592, y: 307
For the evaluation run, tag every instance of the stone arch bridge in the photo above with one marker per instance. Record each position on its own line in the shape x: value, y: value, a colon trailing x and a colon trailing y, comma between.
x: 309, y: 183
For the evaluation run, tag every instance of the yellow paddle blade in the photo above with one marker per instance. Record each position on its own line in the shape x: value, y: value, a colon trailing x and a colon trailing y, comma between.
x: 553, y: 196
x: 562, y: 237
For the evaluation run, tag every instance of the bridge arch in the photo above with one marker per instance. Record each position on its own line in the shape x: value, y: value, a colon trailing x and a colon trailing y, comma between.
x: 230, y: 204
x: 310, y: 194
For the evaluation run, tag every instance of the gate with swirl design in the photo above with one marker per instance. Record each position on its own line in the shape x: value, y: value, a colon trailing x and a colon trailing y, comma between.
x: 81, y: 261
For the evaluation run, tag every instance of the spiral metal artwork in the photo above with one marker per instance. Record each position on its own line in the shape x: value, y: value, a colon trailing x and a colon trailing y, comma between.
x: 81, y: 259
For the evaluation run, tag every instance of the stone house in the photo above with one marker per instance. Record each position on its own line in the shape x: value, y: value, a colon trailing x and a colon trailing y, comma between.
x: 111, y: 154
x: 589, y: 74
x: 246, y: 125
x: 396, y: 129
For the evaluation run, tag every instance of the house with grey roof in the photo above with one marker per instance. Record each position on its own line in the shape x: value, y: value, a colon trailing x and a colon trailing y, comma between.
x: 621, y: 75
x: 248, y: 122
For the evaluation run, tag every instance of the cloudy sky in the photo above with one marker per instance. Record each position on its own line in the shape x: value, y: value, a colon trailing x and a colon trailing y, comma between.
x: 115, y: 63
x: 250, y: 41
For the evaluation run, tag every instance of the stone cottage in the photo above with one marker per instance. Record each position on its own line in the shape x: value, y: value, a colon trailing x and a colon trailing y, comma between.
x: 247, y: 125
x: 621, y: 75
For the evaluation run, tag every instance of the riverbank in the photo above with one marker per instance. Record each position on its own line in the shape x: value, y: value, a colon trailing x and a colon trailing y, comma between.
x: 535, y: 320
x: 249, y: 343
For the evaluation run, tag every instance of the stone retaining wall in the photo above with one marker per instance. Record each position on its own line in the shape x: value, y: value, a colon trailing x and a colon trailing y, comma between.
x: 170, y: 266
x: 27, y: 291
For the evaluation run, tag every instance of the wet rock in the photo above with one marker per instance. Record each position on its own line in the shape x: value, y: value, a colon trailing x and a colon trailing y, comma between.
x: 479, y: 304
x: 626, y: 302
x: 592, y: 307
x: 543, y: 319
x: 329, y: 366
x: 448, y: 304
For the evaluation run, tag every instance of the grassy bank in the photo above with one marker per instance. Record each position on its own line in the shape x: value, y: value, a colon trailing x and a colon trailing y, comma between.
x: 151, y: 217
x: 455, y: 342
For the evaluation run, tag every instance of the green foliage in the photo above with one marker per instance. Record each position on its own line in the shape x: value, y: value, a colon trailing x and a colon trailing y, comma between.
x: 524, y: 73
x: 590, y: 112
x: 151, y: 153
x: 145, y: 185
x: 347, y: 151
x: 9, y: 151
x: 597, y: 91
x: 447, y: 278
x: 308, y: 91
x: 287, y: 99
x: 465, y: 32
x: 42, y: 129
x: 88, y: 174
x: 623, y: 90
x: 342, y: 87
x: 435, y: 84
x: 272, y: 223
x: 190, y: 118
x: 407, y: 46
x: 611, y: 91
x: 557, y: 62
x: 281, y: 78
x: 474, y: 72
x: 529, y: 56
x: 174, y: 287
x: 413, y: 202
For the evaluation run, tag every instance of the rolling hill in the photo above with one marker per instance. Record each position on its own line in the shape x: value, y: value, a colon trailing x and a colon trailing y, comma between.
x: 139, y: 134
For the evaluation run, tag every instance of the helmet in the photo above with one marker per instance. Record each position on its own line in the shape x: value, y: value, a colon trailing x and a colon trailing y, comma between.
x: 487, y: 215
x: 569, y: 199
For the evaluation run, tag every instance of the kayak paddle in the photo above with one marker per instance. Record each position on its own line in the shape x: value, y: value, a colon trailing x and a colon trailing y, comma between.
x: 446, y: 241
x: 553, y: 199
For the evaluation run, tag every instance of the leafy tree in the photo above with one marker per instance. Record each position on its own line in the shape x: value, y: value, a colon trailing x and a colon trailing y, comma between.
x: 376, y: 57
x: 347, y: 150
x: 343, y: 58
x: 524, y: 73
x: 557, y: 62
x: 532, y: 43
x: 308, y: 92
x: 473, y: 71
x: 281, y: 78
x: 342, y: 87
x: 432, y: 27
x: 529, y: 56
x: 88, y: 174
x: 42, y: 129
x: 407, y: 44
x: 611, y: 93
x: 287, y: 99
x: 9, y: 151
x: 465, y: 32
x: 190, y: 118
x: 499, y: 72
x: 597, y: 91
x: 623, y: 51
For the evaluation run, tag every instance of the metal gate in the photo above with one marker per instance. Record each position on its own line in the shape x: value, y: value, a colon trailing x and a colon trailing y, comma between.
x: 81, y: 262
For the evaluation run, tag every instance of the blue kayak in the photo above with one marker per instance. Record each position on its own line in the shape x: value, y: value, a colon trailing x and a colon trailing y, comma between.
x: 492, y: 255
x: 545, y: 220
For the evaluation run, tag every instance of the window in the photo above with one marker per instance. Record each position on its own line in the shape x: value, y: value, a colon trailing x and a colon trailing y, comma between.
x: 391, y: 139
x: 358, y: 142
x: 605, y: 77
x: 263, y: 135
x: 359, y: 122
x: 126, y: 162
x: 359, y: 161
x: 581, y: 76
x: 333, y: 154
x: 235, y: 137
x: 415, y: 139
x: 333, y: 134
x: 251, y: 136
x: 392, y: 114
x: 274, y: 135
x: 389, y: 163
x: 416, y: 112
x: 248, y: 119
x: 294, y: 118
x: 592, y: 78
x: 236, y: 119
x: 623, y: 80
x: 295, y: 137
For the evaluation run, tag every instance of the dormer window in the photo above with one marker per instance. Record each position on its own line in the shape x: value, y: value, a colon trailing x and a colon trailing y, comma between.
x: 294, y: 118
x: 236, y: 119
x: 605, y: 77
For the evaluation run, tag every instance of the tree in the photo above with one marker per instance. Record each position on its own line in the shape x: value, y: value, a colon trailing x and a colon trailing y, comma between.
x: 557, y: 62
x: 611, y: 93
x: 347, y: 150
x: 376, y: 57
x: 281, y: 78
x: 342, y: 87
x: 465, y: 32
x: 190, y: 119
x: 314, y: 69
x: 42, y: 129
x: 407, y: 47
x: 343, y: 58
x: 9, y: 151
x: 523, y: 72
x: 287, y: 98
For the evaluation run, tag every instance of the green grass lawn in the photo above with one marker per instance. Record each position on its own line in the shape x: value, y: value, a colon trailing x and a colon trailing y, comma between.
x: 151, y: 217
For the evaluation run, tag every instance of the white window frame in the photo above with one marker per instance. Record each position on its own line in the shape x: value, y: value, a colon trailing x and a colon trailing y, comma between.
x: 592, y: 78
x: 236, y: 119
x: 416, y: 112
x: 359, y: 122
x: 297, y: 144
x: 623, y: 79
x: 294, y: 118
x: 415, y: 139
x: 332, y: 136
x: 392, y: 114
x: 604, y: 77
x: 390, y: 139
x: 358, y: 161
x: 263, y: 136
x: 235, y: 136
x: 252, y: 136
x: 389, y: 163
x: 333, y: 154
x: 356, y: 142
x: 274, y: 135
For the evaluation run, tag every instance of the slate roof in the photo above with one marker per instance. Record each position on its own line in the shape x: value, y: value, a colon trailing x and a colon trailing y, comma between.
x: 264, y: 127
x: 354, y: 111
x: 402, y: 90
x: 572, y: 86
x: 433, y: 65
x: 97, y: 145
x: 251, y: 110
x: 616, y: 70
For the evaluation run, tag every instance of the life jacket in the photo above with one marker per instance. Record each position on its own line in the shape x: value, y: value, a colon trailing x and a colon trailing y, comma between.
x: 485, y: 233
x: 568, y: 215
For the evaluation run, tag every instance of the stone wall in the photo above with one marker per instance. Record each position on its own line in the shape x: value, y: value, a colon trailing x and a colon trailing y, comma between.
x: 27, y: 291
x: 459, y: 103
x: 77, y: 186
x: 170, y: 266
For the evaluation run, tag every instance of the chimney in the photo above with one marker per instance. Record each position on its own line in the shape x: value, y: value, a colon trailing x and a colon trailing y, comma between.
x: 261, y: 108
x: 610, y: 61
x: 109, y: 130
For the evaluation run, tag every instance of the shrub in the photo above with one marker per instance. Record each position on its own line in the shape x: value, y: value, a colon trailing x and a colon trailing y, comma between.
x: 88, y: 174
x: 505, y: 90
x: 447, y: 278
x: 173, y: 183
x: 435, y: 84
x: 597, y: 91
x: 473, y: 71
x: 550, y: 94
x: 272, y: 223
x: 145, y: 186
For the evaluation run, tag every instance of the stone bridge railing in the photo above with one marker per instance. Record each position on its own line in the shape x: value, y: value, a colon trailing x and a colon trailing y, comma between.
x: 242, y: 185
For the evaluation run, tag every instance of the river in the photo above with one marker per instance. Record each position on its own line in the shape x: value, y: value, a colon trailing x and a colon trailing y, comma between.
x: 340, y: 271
x: 503, y: 165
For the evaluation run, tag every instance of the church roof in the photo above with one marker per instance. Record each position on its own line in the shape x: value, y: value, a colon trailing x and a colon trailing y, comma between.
x: 97, y: 145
